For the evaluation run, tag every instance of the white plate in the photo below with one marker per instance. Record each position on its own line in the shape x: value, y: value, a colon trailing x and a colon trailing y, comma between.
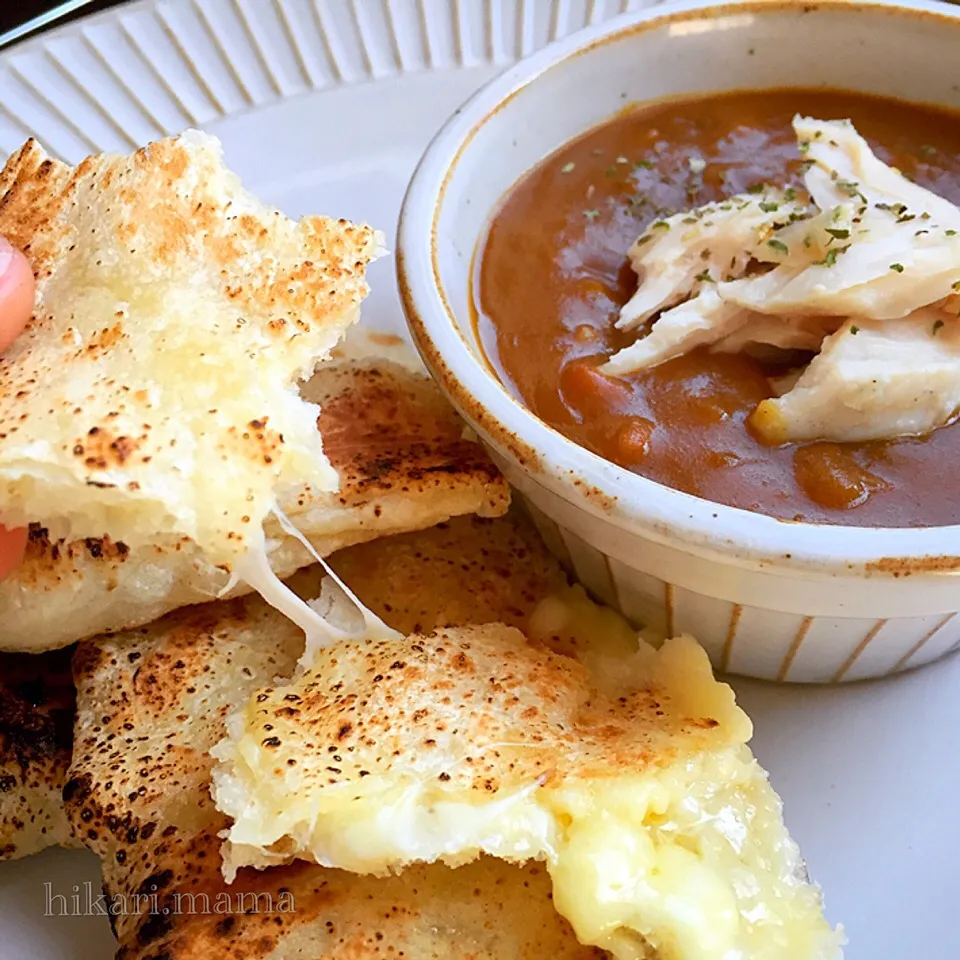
x: 325, y: 106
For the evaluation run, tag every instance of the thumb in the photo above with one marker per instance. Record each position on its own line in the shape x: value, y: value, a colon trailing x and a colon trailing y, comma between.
x: 16, y: 305
x: 12, y: 545
x: 16, y: 293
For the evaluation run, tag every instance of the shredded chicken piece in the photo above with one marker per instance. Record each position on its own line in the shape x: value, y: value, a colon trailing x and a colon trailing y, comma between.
x: 871, y: 280
x: 779, y: 333
x: 872, y: 379
x: 702, y: 320
x: 895, y: 246
x: 677, y: 257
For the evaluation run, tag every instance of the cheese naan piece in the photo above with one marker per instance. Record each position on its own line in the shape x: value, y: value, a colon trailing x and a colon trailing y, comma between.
x: 151, y: 703
x: 629, y: 776
x: 153, y: 396
x: 896, y: 245
x: 676, y: 257
x: 36, y: 737
x: 403, y: 464
x: 872, y: 379
x: 469, y: 570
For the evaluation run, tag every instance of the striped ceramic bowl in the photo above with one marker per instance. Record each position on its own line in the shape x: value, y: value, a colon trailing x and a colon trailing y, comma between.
x: 771, y: 599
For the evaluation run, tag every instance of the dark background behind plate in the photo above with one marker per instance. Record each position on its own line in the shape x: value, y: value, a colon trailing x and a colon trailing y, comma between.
x: 12, y: 14
x: 15, y: 12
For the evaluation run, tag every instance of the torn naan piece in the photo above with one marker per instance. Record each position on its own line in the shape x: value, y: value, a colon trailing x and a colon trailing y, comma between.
x: 403, y: 464
x: 152, y: 702
x: 628, y: 775
x: 153, y: 396
x: 36, y: 738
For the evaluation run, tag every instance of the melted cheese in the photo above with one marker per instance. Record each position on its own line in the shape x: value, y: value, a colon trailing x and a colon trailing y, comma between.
x: 668, y: 860
x: 683, y: 853
x: 321, y: 631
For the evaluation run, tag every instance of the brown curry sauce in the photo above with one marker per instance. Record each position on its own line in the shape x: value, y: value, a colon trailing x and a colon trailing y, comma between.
x: 552, y: 275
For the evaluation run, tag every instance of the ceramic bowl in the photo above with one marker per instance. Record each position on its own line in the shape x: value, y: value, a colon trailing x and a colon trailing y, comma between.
x: 767, y: 598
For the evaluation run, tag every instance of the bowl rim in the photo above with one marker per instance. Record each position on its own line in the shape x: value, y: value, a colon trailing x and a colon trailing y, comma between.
x: 554, y: 462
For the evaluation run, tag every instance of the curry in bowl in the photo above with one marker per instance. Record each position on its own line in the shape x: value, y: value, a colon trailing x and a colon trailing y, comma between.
x: 556, y: 284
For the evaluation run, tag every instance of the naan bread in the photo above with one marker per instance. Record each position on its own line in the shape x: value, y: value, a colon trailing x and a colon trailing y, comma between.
x: 470, y: 570
x: 36, y: 737
x: 403, y: 463
x: 153, y: 395
x: 152, y: 702
x: 628, y: 775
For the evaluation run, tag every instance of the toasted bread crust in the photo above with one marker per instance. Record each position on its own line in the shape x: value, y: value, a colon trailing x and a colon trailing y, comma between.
x: 403, y: 464
x: 152, y: 396
x: 164, y: 204
x: 151, y: 704
x: 36, y: 737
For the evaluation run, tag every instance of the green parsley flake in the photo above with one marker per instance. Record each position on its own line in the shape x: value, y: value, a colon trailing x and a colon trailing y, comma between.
x: 704, y: 277
x: 779, y: 246
x: 643, y: 164
x: 850, y: 187
x: 830, y: 260
x: 768, y: 206
x: 790, y: 194
x: 757, y: 188
x: 854, y: 329
x: 838, y: 234
x: 956, y: 287
x: 937, y: 324
x: 898, y: 267
x: 951, y: 233
x: 567, y: 168
x: 661, y: 225
x: 804, y: 147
